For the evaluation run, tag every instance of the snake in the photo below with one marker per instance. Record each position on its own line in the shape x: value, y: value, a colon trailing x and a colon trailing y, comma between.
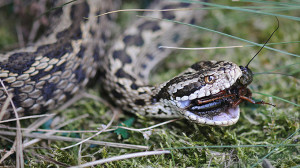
x: 80, y: 46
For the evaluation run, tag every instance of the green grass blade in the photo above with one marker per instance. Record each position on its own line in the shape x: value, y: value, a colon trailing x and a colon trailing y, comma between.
x: 272, y: 3
x: 224, y: 34
x: 295, y: 104
x: 243, y: 10
x: 234, y: 146
x: 254, y: 165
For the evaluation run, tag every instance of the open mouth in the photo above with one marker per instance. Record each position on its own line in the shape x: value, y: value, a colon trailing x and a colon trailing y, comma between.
x: 215, y: 109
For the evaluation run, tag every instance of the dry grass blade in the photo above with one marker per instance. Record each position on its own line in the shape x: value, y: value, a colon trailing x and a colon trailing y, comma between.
x: 37, y: 23
x: 107, y: 126
x: 37, y: 123
x: 96, y: 98
x: 201, y: 48
x: 28, y: 130
x: 68, y: 139
x: 48, y: 159
x: 39, y: 136
x: 71, y: 101
x: 148, y: 128
x: 27, y: 117
x: 7, y: 139
x: 4, y: 107
x: 53, y: 132
x: 122, y: 157
x: 79, y: 154
x: 10, y: 152
x: 18, y: 141
x: 145, y: 10
x: 20, y: 35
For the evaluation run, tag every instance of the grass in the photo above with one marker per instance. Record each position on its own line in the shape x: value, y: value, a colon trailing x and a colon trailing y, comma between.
x: 265, y: 131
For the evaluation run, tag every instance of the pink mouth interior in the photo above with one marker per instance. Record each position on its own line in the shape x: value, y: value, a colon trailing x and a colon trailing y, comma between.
x: 232, y: 113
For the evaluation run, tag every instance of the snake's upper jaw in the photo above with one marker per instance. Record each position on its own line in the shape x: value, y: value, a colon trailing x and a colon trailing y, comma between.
x: 222, y: 116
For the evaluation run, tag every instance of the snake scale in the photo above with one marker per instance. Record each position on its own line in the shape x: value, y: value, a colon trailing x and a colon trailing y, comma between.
x: 45, y: 75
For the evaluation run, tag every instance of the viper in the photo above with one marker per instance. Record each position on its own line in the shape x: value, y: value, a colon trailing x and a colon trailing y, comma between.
x: 44, y: 75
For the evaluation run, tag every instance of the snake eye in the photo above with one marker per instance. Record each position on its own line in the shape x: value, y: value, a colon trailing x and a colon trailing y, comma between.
x: 209, y: 79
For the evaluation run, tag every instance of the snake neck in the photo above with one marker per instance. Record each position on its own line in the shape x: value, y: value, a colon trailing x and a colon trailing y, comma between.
x: 135, y: 54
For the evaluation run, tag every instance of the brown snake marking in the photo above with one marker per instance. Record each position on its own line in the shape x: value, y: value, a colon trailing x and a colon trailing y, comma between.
x: 43, y: 76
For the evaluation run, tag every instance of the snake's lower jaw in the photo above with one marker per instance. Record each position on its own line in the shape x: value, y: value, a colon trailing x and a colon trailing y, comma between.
x: 229, y: 117
x: 224, y: 116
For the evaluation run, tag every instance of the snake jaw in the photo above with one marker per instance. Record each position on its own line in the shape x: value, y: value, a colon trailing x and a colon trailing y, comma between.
x: 226, y: 118
x: 229, y: 117
x: 214, y: 109
x: 222, y: 115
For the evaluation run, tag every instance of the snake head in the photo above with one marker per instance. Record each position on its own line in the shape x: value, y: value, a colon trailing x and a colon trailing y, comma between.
x: 205, y: 93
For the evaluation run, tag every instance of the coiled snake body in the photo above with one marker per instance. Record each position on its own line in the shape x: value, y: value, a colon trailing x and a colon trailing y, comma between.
x: 43, y: 76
